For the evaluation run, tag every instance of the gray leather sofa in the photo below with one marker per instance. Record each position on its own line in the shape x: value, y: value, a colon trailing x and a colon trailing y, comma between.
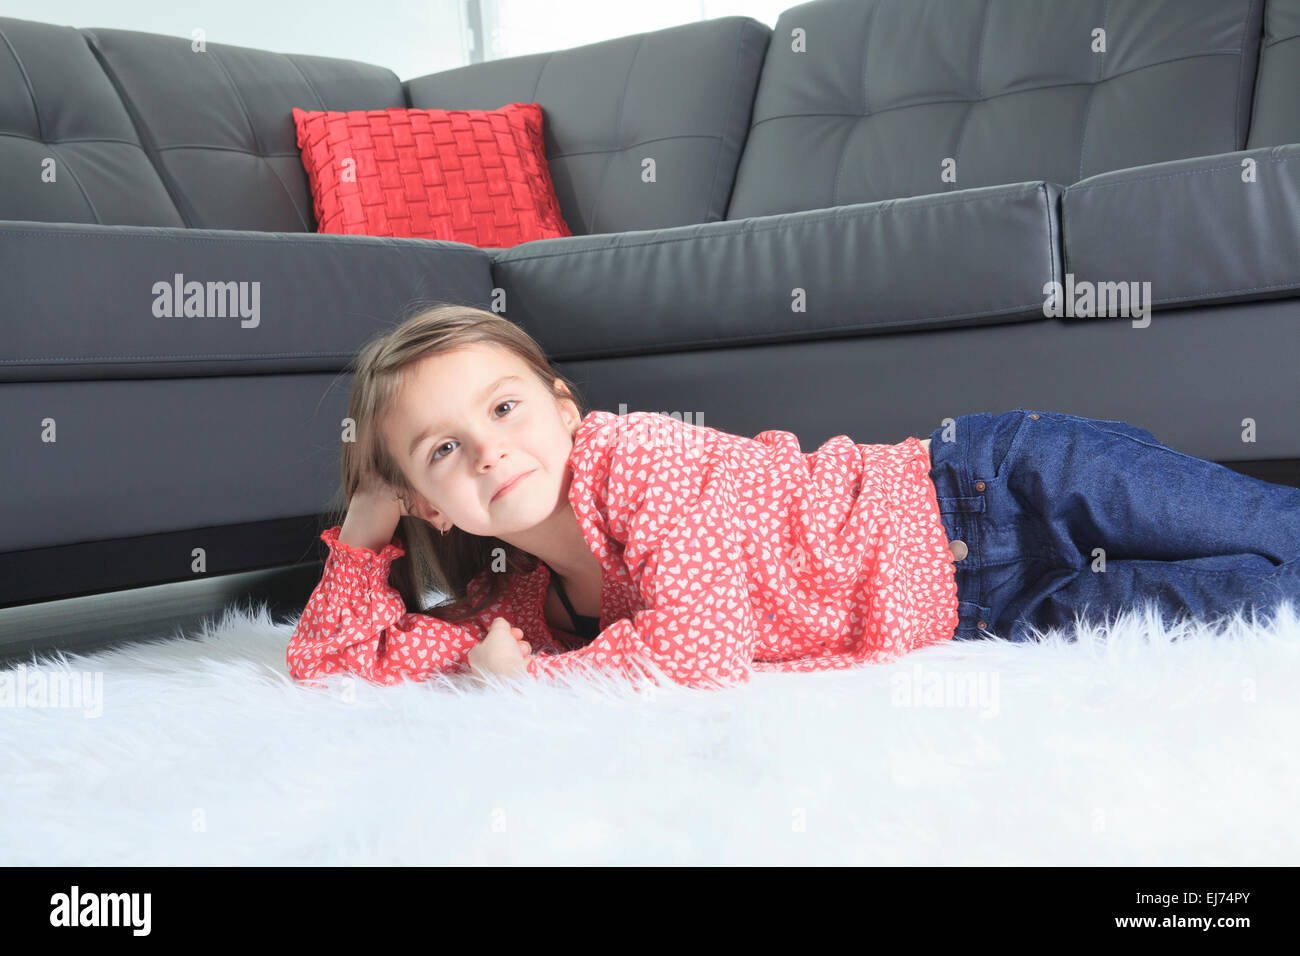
x: 843, y: 225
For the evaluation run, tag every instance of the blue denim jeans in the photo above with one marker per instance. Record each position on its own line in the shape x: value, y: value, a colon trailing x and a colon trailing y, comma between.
x: 1067, y: 518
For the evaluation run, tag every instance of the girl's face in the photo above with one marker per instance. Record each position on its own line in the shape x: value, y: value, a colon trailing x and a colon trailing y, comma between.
x: 467, y: 422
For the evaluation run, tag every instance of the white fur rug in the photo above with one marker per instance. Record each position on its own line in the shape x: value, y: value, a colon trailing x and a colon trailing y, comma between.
x: 1144, y: 747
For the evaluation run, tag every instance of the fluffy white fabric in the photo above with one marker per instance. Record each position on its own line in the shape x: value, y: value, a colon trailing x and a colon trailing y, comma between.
x: 1144, y: 745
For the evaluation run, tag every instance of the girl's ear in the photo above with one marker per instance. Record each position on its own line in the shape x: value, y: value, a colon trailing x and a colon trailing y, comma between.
x: 421, y: 509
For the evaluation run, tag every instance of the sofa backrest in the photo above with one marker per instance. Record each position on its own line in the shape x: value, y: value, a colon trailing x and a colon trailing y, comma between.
x: 68, y: 150
x: 680, y: 97
x: 864, y: 100
x: 1275, y: 120
x: 218, y: 121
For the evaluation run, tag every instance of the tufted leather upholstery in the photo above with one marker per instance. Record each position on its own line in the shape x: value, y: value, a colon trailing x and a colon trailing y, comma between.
x: 1276, y: 117
x: 168, y: 135
x: 56, y: 104
x: 218, y: 122
x: 680, y: 96
x: 1009, y: 89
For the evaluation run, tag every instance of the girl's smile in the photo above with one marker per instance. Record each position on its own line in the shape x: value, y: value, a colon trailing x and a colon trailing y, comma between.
x: 511, y: 483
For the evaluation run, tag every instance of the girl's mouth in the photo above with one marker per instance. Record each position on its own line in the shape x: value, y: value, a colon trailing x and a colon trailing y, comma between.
x: 511, y: 484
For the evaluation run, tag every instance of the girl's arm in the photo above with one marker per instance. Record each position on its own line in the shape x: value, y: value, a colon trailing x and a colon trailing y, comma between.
x: 356, y: 622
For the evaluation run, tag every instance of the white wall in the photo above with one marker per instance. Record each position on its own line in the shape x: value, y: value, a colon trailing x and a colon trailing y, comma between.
x: 535, y: 26
x: 410, y: 37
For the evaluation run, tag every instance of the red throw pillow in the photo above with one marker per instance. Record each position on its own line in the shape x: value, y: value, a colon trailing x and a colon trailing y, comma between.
x: 473, y: 176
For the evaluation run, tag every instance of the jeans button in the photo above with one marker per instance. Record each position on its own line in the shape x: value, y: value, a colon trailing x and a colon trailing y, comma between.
x: 979, y: 486
x: 982, y: 625
x: 1033, y: 415
x: 959, y: 549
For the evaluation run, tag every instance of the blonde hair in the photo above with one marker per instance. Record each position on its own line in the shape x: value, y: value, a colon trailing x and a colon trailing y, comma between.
x: 448, y: 562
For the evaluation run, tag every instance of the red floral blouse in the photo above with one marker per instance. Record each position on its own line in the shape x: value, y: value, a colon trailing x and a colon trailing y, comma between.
x: 722, y: 555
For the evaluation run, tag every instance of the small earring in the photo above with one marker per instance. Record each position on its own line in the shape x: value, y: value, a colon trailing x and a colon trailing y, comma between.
x: 444, y: 532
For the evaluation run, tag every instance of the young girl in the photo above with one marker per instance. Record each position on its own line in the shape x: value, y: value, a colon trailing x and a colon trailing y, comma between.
x: 643, y: 545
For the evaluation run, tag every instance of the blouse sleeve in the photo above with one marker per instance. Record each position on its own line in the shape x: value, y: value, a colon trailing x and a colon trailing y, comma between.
x: 356, y: 622
x: 685, y: 548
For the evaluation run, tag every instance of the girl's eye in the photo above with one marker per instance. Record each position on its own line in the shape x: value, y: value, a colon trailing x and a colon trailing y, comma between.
x: 436, y: 457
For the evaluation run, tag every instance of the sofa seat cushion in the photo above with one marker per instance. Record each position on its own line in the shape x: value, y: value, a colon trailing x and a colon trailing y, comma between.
x: 97, y: 302
x: 1222, y: 228
x: 970, y: 258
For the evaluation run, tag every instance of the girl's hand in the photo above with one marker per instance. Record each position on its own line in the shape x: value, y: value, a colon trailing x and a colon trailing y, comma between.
x: 378, y: 501
x: 374, y: 511
x: 503, y: 652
